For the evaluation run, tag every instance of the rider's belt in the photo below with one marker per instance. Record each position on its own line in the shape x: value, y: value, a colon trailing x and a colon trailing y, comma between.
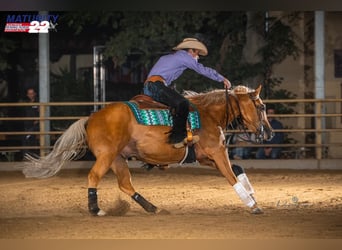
x: 155, y: 79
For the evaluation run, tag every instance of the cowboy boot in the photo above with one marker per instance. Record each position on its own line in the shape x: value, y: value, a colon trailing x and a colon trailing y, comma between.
x: 179, y: 136
x: 178, y: 131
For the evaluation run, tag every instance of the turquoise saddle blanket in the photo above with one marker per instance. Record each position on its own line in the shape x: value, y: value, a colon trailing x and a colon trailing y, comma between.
x: 160, y: 116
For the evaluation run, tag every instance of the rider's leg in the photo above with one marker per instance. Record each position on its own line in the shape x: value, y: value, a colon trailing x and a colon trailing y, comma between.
x: 178, y: 104
x: 181, y: 109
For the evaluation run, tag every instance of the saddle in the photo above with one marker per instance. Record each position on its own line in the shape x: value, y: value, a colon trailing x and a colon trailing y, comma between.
x: 150, y: 112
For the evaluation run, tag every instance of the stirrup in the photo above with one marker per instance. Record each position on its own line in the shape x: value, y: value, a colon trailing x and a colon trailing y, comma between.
x: 194, y: 139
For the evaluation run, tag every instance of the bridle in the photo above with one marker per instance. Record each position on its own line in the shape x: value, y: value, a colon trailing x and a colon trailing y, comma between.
x: 237, y: 121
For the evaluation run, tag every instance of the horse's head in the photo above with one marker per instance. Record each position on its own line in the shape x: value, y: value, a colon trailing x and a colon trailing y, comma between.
x: 252, y: 112
x: 241, y: 104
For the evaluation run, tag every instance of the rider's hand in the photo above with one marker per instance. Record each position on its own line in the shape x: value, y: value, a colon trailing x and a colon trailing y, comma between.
x: 227, y: 83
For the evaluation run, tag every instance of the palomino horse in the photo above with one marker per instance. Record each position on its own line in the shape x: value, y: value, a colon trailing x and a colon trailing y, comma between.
x: 113, y: 135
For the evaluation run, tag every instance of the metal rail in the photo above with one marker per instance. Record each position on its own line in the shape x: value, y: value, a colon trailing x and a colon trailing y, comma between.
x: 319, y: 130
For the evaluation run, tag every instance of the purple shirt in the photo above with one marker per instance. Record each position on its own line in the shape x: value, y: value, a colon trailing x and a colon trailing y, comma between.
x: 171, y: 66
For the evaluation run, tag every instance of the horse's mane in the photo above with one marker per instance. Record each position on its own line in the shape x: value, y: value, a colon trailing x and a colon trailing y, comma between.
x: 217, y: 96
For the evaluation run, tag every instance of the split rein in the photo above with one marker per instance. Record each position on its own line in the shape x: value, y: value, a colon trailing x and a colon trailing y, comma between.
x: 237, y: 122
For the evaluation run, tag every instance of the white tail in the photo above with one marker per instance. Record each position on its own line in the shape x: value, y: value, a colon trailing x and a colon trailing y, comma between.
x: 71, y: 145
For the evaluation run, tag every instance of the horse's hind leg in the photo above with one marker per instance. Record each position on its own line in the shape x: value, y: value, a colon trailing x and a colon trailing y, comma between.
x: 99, y: 169
x: 120, y: 168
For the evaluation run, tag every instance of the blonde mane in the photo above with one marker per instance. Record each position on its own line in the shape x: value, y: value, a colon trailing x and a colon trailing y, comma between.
x: 217, y: 96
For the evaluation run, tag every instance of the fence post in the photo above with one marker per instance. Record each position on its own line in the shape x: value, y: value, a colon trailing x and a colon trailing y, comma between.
x: 318, y: 126
x: 42, y: 109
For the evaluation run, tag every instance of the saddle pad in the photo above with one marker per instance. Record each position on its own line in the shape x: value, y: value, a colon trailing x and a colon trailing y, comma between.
x: 160, y: 116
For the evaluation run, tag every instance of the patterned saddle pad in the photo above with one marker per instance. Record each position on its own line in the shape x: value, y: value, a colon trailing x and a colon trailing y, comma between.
x: 161, y: 117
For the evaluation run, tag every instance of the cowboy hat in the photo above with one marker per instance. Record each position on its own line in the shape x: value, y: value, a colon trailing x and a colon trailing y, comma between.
x: 192, y: 43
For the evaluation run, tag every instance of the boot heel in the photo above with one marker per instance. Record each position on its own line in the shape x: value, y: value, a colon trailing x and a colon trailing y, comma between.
x: 195, y: 139
x: 179, y: 145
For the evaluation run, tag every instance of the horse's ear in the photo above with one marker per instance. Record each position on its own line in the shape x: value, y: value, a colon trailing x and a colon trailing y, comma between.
x: 258, y: 89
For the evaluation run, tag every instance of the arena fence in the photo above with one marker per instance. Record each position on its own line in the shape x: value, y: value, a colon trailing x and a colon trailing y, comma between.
x: 317, y: 134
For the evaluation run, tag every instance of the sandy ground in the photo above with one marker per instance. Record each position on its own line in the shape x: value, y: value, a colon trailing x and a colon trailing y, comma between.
x: 198, y: 203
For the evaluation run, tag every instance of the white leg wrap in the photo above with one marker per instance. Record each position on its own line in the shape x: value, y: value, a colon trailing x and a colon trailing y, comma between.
x: 245, y: 182
x: 244, y: 195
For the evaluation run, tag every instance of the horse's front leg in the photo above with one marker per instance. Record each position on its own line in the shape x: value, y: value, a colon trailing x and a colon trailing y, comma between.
x: 121, y: 170
x: 220, y: 157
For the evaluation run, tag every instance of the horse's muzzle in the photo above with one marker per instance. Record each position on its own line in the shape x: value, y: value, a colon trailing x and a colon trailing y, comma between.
x: 264, y: 134
x: 269, y: 134
x: 259, y: 137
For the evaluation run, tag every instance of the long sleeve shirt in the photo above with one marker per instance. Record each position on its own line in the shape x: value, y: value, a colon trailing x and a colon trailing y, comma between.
x: 171, y: 66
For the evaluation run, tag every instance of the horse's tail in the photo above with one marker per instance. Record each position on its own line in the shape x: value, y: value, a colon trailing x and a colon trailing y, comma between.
x: 71, y: 145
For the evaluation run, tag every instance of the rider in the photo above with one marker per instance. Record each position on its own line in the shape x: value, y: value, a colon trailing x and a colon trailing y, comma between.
x: 167, y: 69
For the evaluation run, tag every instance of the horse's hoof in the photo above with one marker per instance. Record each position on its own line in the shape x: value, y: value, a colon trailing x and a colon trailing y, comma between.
x: 101, y: 213
x: 257, y: 210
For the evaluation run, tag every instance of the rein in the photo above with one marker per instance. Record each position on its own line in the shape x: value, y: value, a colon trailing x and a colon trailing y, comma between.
x: 227, y: 107
x: 237, y: 121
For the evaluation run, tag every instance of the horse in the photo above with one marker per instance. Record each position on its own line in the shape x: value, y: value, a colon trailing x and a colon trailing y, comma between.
x: 114, y: 135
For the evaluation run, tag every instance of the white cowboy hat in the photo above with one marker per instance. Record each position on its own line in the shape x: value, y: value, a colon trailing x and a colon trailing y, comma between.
x: 192, y: 43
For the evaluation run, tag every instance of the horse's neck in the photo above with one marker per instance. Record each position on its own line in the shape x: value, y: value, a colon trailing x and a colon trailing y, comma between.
x: 219, y: 114
x: 214, y: 115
